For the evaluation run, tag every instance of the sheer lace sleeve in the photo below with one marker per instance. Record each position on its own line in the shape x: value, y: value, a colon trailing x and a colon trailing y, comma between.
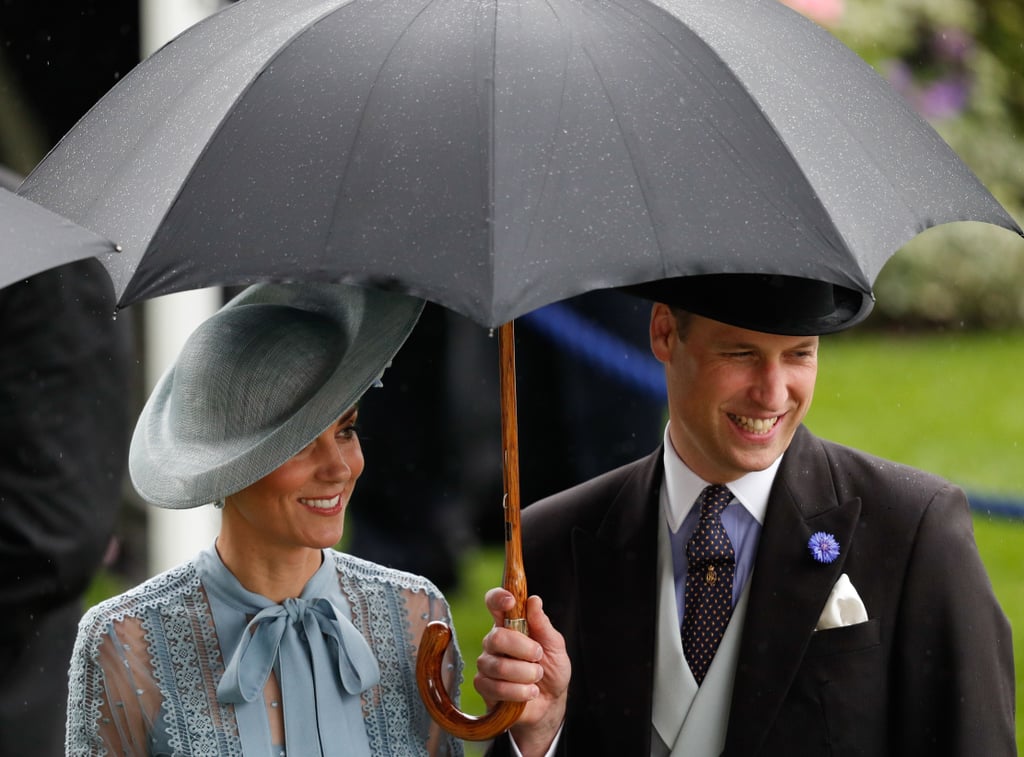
x: 424, y: 608
x: 113, y: 700
x: 144, y: 672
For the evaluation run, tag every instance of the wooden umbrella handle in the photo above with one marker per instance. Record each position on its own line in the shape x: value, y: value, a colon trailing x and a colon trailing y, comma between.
x: 437, y: 635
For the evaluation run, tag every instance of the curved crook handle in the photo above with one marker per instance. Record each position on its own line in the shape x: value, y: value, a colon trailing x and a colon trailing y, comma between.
x: 438, y: 635
x: 440, y: 706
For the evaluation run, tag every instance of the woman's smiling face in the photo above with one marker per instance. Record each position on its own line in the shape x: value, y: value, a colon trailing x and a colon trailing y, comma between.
x: 302, y: 503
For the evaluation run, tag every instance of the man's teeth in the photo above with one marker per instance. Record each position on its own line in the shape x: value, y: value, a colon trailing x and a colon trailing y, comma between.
x: 322, y: 504
x: 755, y: 425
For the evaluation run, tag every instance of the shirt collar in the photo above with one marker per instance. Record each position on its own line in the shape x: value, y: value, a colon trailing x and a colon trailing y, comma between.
x: 683, y: 486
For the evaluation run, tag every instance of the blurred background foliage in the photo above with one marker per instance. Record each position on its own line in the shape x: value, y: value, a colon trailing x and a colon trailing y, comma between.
x: 960, y: 63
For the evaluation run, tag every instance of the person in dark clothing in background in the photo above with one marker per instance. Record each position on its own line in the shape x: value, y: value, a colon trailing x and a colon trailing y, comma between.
x: 66, y: 377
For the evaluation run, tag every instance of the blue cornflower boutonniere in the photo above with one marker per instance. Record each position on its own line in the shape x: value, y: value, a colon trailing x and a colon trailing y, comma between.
x: 824, y: 547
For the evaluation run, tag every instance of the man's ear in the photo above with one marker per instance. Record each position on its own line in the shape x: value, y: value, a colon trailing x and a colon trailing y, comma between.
x: 663, y: 331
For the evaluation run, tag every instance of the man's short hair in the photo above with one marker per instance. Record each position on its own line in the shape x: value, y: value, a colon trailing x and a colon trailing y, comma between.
x: 683, y: 320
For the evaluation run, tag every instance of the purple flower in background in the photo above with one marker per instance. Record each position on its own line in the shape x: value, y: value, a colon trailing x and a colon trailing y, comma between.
x: 824, y: 547
x: 939, y: 84
x: 952, y: 44
x: 943, y: 98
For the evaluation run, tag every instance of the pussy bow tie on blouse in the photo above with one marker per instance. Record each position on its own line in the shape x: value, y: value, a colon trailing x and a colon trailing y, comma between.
x: 324, y: 660
x: 275, y: 629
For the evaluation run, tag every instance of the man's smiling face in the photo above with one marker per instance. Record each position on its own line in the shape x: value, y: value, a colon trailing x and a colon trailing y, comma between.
x: 736, y: 397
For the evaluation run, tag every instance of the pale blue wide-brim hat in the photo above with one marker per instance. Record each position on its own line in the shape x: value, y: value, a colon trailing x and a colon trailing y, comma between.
x: 258, y: 381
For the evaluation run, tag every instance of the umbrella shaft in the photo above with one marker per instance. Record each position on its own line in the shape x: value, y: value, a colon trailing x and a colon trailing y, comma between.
x: 514, y: 579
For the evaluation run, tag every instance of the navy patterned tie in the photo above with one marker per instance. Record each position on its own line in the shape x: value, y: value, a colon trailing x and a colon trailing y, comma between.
x: 711, y: 564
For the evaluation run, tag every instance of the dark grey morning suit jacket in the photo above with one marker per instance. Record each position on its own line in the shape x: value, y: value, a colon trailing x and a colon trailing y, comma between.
x: 930, y: 673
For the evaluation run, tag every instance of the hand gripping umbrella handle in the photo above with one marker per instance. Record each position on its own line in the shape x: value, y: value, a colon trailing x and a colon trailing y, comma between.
x: 437, y: 635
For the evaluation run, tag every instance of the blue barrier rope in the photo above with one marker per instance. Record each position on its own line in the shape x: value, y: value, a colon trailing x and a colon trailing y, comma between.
x: 616, y: 357
x: 996, y: 506
x: 639, y: 370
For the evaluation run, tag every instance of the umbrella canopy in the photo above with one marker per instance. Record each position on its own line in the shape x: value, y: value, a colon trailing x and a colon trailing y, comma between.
x: 36, y: 239
x: 498, y: 156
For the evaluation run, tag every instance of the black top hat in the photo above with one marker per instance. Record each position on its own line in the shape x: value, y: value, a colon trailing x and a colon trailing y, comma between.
x: 769, y: 303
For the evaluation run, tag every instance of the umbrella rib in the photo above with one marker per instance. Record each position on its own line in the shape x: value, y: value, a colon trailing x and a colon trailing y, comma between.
x: 492, y: 117
x: 126, y: 293
x: 662, y: 252
x: 775, y: 198
x: 359, y: 130
x: 316, y: 17
x: 876, y: 164
x: 772, y: 197
x: 550, y: 147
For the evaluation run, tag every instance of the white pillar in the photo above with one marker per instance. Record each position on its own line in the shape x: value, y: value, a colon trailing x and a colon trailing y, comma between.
x: 162, y: 20
x: 174, y: 535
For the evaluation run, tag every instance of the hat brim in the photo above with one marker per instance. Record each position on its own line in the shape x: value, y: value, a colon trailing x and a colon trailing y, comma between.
x: 171, y: 468
x: 771, y: 304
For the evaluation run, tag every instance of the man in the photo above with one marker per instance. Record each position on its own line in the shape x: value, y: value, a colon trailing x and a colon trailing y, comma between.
x: 858, y: 619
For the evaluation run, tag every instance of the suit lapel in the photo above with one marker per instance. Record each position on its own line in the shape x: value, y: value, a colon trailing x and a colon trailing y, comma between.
x: 788, y: 589
x: 617, y: 570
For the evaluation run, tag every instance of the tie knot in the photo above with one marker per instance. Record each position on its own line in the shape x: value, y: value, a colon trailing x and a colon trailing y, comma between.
x: 713, y: 500
x: 296, y: 607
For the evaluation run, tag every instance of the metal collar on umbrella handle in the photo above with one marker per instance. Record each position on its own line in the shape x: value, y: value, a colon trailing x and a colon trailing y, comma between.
x: 437, y: 635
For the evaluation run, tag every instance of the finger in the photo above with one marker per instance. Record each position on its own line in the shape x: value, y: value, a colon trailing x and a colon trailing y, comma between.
x: 498, y: 690
x: 506, y: 679
x: 508, y: 642
x: 513, y: 669
x: 499, y: 601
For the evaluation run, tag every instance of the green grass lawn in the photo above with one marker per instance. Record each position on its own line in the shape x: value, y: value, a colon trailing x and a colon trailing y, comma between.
x: 946, y: 403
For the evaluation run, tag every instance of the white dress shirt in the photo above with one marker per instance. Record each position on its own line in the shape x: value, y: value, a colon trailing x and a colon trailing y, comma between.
x: 742, y: 519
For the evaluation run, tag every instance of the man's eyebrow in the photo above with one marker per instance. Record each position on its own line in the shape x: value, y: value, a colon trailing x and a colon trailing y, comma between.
x: 810, y: 342
x: 742, y: 345
x: 728, y: 344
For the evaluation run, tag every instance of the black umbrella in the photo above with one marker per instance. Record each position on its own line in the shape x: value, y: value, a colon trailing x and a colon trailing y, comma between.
x: 498, y: 156
x: 35, y: 239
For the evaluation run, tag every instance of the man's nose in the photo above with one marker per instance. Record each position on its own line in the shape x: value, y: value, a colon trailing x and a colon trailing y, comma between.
x: 770, y: 388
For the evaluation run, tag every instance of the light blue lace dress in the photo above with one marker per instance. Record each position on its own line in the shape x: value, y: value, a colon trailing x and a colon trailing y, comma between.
x: 147, y: 665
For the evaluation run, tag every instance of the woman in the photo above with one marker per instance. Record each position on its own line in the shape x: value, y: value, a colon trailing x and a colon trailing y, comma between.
x: 269, y: 642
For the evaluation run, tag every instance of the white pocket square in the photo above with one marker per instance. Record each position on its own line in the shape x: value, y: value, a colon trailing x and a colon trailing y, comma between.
x: 843, y: 608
